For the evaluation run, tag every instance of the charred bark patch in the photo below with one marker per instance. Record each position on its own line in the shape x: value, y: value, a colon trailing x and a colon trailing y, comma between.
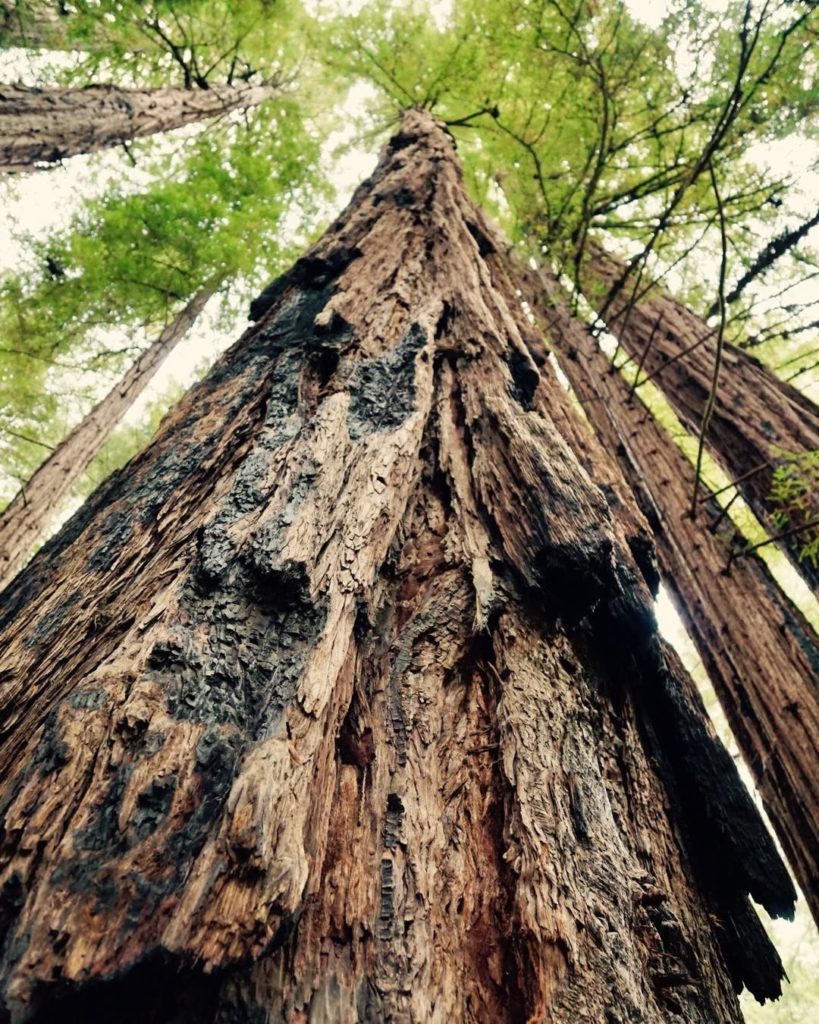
x: 575, y: 577
x: 525, y: 378
x: 393, y: 821
x: 49, y: 624
x: 247, y: 669
x: 313, y: 273
x: 386, y: 905
x: 52, y: 751
x: 153, y: 805
x: 382, y: 390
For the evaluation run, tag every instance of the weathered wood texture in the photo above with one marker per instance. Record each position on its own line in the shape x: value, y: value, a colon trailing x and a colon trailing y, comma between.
x: 760, y: 653
x: 344, y: 701
x: 40, y: 126
x: 30, y: 513
x: 756, y: 413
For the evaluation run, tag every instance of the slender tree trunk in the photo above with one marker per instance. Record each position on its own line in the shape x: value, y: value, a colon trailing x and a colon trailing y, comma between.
x: 756, y: 413
x: 760, y: 653
x: 344, y: 701
x: 32, y: 510
x: 45, y: 125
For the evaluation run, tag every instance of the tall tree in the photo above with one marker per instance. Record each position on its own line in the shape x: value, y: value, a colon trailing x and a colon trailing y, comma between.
x: 756, y: 418
x: 28, y: 516
x: 41, y: 126
x: 345, y: 699
x: 132, y: 258
x: 761, y: 655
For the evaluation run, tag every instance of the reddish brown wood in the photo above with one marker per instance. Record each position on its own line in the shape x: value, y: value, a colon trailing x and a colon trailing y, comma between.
x: 41, y: 126
x: 344, y: 701
x: 760, y: 653
x: 757, y: 415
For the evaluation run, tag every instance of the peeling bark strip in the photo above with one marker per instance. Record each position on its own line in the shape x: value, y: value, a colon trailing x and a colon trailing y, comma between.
x: 344, y: 701
x: 756, y: 414
x: 761, y: 654
x: 46, y: 125
x: 29, y: 514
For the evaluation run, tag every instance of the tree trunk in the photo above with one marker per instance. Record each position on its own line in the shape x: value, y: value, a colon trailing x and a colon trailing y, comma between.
x: 32, y: 510
x: 45, y: 125
x: 760, y: 653
x: 344, y: 700
x: 756, y: 413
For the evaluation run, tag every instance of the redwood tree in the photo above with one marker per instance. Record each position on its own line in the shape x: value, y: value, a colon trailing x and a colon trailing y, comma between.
x: 762, y: 656
x: 344, y: 700
x: 46, y: 125
x: 30, y: 513
x: 757, y: 416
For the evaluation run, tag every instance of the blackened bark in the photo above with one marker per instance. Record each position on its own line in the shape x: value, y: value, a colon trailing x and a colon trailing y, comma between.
x: 756, y: 416
x: 30, y: 513
x: 41, y: 126
x: 344, y: 701
x: 760, y: 653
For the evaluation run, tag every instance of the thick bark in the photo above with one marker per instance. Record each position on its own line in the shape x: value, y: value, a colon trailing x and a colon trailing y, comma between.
x: 39, y: 126
x: 344, y: 701
x: 760, y: 653
x: 756, y: 413
x: 30, y: 513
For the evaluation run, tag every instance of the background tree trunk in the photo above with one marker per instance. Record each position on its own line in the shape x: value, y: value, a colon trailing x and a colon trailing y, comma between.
x: 46, y: 125
x: 760, y: 653
x: 31, y: 511
x: 344, y: 701
x: 756, y: 413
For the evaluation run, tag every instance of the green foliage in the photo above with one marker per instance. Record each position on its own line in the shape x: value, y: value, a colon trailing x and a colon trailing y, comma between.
x: 130, y: 260
x: 795, y: 495
x: 190, y: 43
x: 125, y: 442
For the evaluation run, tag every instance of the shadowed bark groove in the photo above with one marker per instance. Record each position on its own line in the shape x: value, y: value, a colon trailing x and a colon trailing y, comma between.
x: 756, y: 416
x: 46, y: 125
x: 761, y: 654
x: 31, y: 511
x: 345, y: 702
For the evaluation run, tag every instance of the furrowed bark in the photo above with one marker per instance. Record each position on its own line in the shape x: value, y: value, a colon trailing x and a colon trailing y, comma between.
x: 41, y: 126
x: 760, y: 653
x: 757, y: 415
x: 344, y: 701
x: 30, y: 513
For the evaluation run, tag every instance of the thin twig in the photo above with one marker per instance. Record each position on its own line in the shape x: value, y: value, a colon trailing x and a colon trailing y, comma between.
x: 733, y: 483
x: 712, y: 395
x: 772, y: 540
